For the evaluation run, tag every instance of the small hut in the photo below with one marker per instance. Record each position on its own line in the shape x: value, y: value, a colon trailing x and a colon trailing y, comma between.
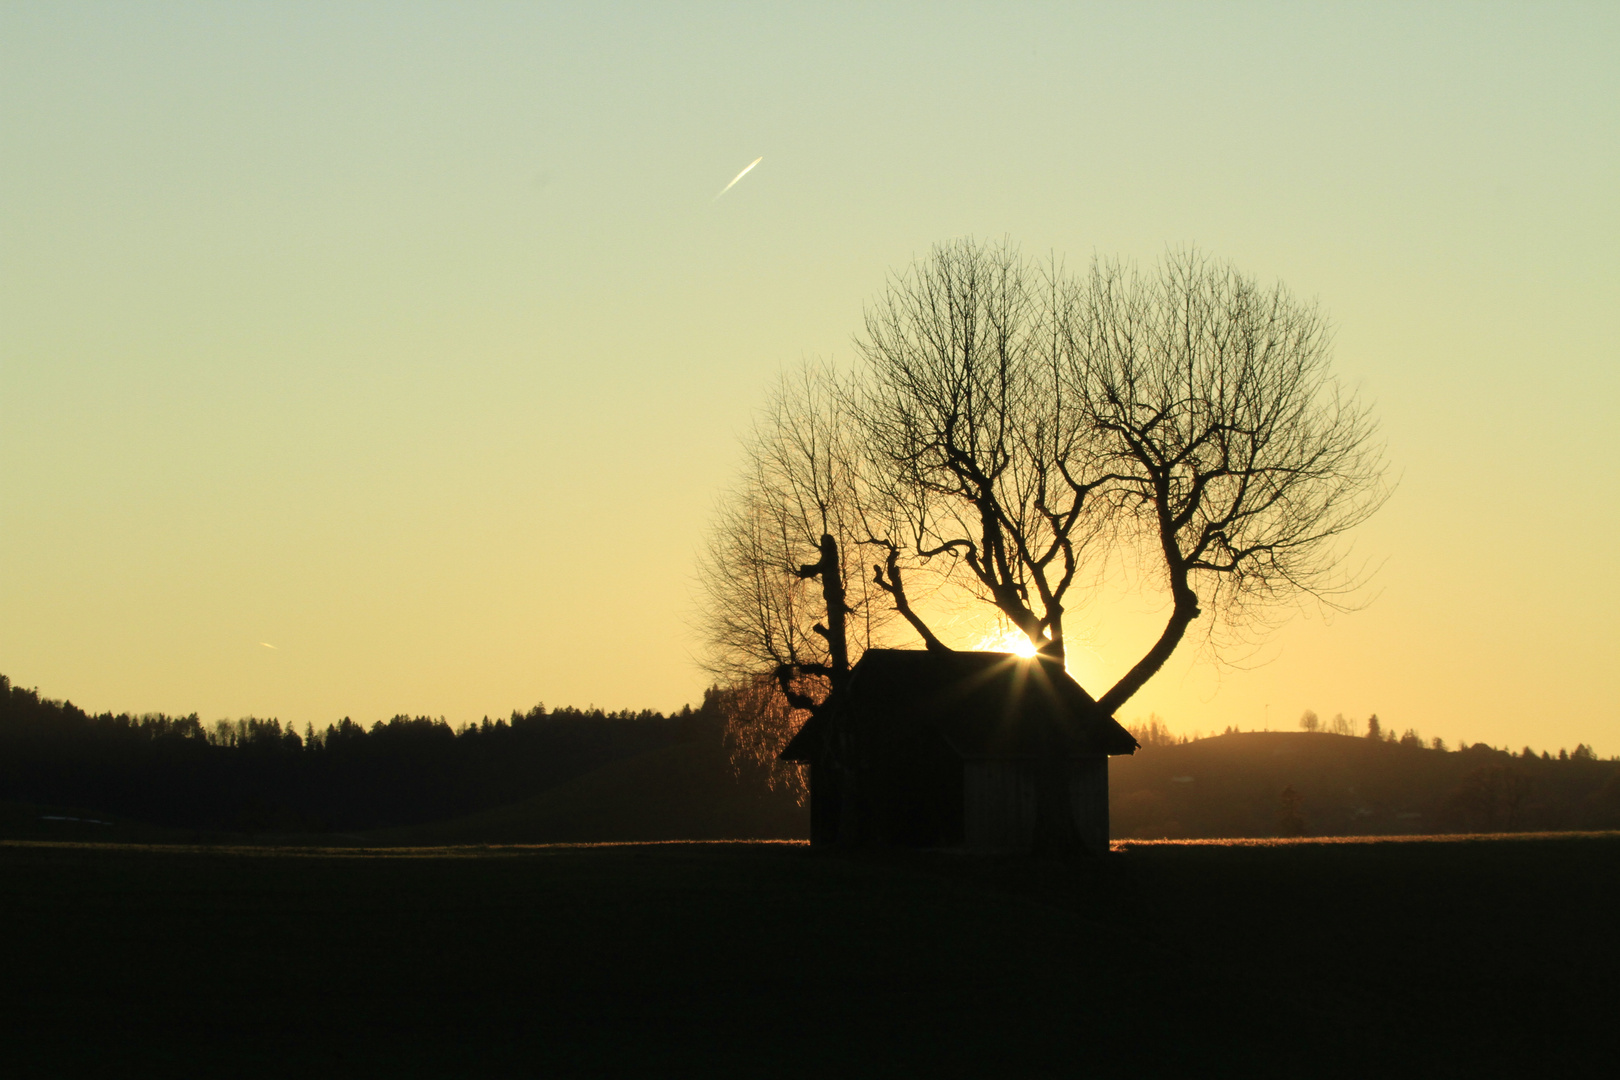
x: 951, y: 749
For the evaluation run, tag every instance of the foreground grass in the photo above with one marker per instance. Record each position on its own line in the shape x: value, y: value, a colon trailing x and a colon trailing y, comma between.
x: 1445, y: 957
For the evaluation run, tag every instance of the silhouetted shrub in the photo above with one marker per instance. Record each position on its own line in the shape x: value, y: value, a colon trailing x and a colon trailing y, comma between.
x: 1290, y: 822
x: 1490, y: 799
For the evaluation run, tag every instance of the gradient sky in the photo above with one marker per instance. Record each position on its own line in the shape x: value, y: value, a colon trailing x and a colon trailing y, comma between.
x: 411, y: 340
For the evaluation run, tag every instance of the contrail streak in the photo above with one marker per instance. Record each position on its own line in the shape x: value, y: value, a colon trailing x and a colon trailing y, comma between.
x: 267, y: 645
x: 739, y: 176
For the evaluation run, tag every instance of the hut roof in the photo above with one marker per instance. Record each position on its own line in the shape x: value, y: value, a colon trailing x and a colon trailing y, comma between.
x: 982, y: 704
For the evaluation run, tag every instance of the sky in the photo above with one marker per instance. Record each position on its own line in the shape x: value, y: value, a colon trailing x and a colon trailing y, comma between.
x: 366, y: 359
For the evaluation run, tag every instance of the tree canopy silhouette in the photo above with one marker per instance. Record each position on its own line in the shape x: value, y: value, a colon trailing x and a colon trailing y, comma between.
x: 1009, y: 428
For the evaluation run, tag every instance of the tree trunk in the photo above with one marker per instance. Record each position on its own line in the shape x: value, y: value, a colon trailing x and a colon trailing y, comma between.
x: 832, y: 593
x: 847, y: 762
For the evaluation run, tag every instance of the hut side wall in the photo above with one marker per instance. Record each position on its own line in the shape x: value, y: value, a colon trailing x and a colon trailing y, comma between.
x: 999, y: 803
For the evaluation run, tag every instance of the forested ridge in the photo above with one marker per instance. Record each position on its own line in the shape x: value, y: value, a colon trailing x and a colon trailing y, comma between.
x: 259, y: 775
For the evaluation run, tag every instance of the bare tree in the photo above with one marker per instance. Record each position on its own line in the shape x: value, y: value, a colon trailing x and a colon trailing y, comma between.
x: 784, y: 593
x: 972, y: 436
x: 1226, y: 439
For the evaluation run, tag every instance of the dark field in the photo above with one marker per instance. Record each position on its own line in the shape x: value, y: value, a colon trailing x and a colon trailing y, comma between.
x: 1454, y: 957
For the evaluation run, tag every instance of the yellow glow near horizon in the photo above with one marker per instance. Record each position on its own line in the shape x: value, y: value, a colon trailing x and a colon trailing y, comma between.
x: 410, y: 342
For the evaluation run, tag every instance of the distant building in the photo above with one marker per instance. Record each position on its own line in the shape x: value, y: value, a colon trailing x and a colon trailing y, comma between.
x: 952, y: 750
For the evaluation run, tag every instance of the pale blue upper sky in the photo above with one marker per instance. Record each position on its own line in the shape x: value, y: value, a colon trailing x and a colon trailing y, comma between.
x: 411, y: 339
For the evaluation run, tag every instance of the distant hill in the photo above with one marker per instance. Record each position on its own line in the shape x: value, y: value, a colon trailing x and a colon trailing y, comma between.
x: 1227, y: 786
x: 682, y: 792
x: 1232, y: 786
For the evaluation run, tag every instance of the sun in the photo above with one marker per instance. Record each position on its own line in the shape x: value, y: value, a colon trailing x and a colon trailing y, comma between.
x: 1008, y: 640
